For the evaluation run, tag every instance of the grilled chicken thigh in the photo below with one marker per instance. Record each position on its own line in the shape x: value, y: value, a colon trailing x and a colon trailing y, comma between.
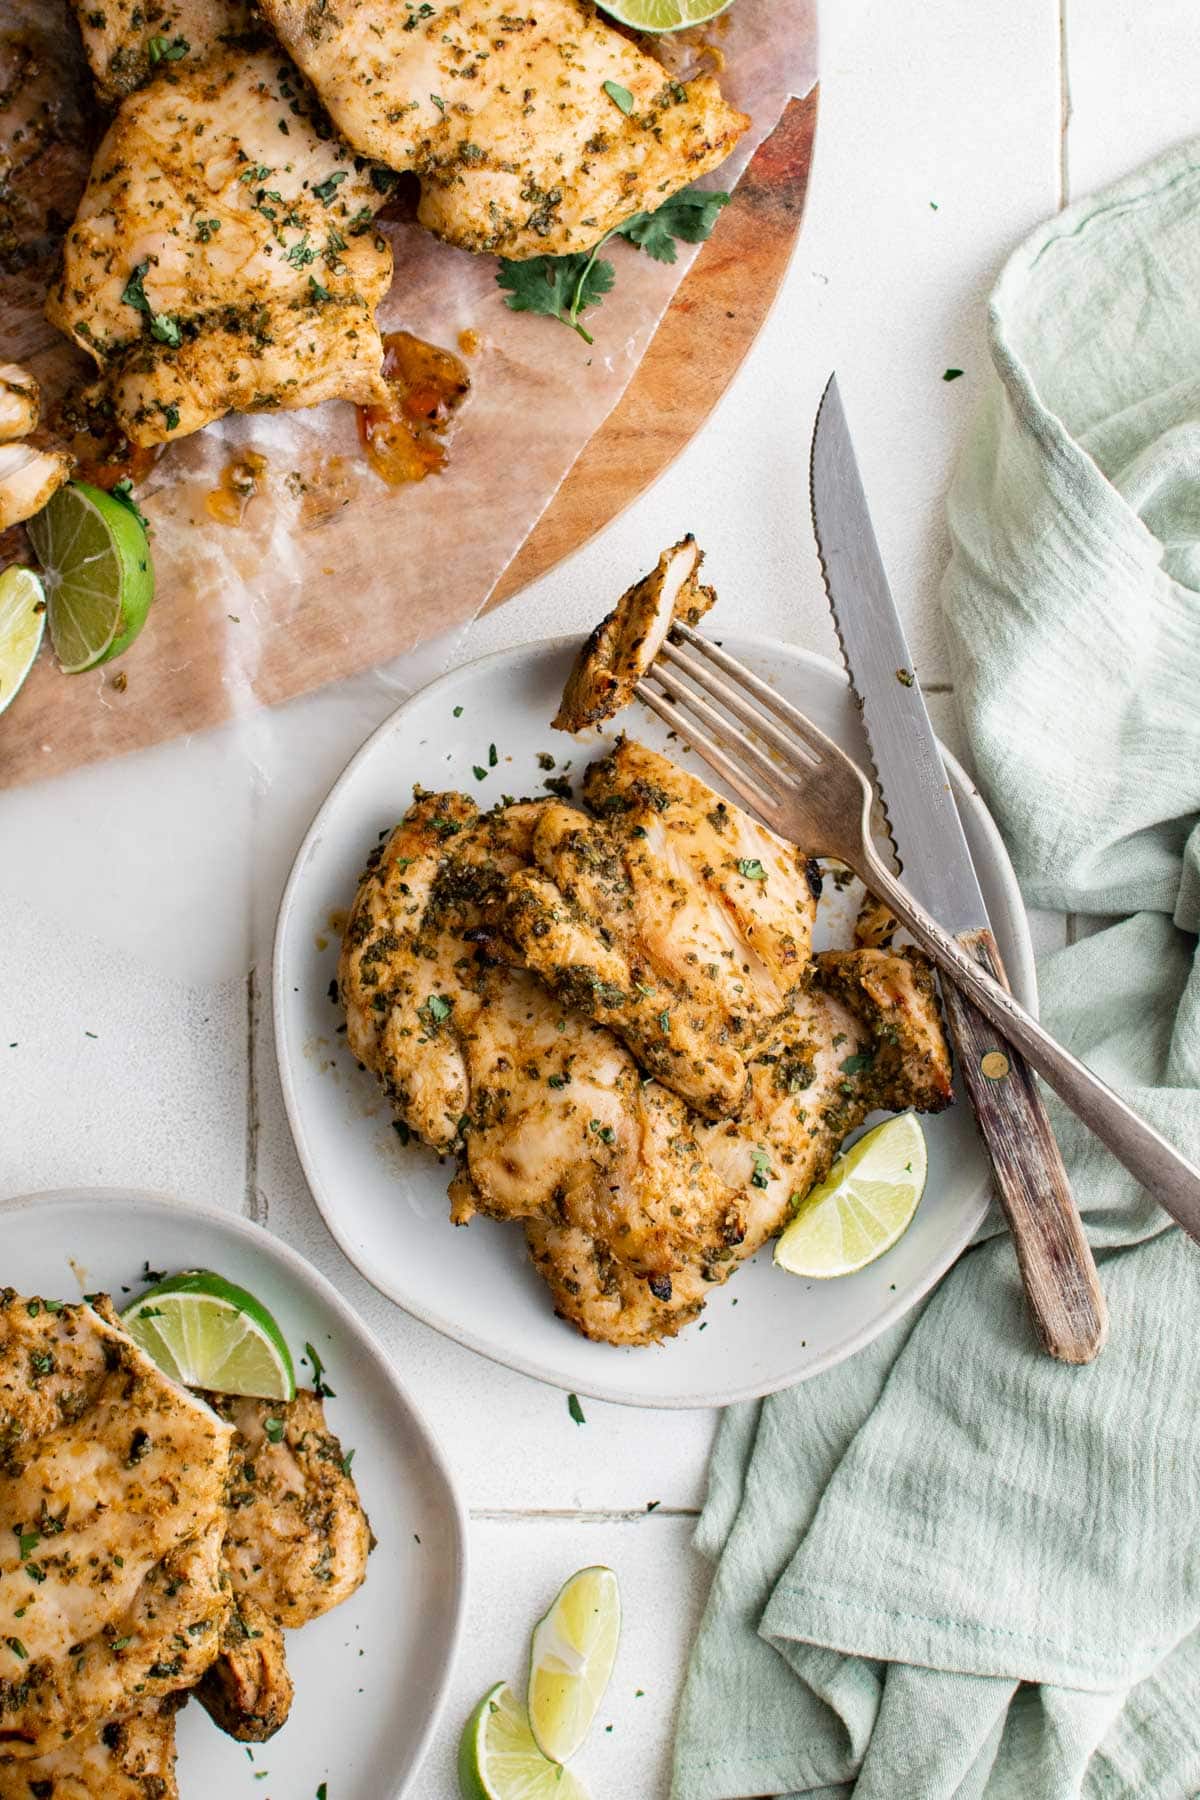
x: 248, y: 1691
x: 533, y: 132
x: 621, y: 648
x: 298, y: 1538
x: 223, y: 256
x: 132, y: 1759
x: 112, y: 1486
x: 128, y: 42
x: 671, y: 917
x: 866, y: 1035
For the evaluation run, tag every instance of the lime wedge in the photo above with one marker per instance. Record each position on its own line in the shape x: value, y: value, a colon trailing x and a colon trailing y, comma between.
x: 663, y: 15
x: 863, y: 1206
x: 203, y: 1331
x: 22, y: 622
x: 570, y: 1660
x: 498, y: 1759
x: 99, y: 577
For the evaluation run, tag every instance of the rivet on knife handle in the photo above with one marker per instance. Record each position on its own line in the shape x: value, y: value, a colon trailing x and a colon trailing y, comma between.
x: 1055, y: 1259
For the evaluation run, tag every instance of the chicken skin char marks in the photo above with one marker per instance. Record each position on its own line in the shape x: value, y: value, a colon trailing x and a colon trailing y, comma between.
x: 493, y: 974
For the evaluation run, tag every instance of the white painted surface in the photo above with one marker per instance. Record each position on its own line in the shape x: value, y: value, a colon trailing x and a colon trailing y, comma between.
x: 136, y: 897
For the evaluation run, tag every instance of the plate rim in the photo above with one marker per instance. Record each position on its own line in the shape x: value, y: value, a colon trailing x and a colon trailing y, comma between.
x: 1022, y: 974
x: 298, y: 1266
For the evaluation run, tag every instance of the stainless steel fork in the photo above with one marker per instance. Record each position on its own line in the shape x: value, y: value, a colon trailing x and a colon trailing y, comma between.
x: 810, y: 791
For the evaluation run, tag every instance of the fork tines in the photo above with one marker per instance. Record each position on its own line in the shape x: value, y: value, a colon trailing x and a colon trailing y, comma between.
x: 681, y: 702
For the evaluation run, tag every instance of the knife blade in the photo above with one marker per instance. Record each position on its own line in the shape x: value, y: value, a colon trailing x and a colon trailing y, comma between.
x: 935, y: 865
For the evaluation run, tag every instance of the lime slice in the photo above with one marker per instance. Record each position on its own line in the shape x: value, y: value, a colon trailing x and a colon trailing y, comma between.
x: 863, y: 1206
x: 663, y: 15
x: 99, y: 577
x: 206, y: 1333
x: 570, y: 1660
x: 498, y: 1759
x: 22, y: 622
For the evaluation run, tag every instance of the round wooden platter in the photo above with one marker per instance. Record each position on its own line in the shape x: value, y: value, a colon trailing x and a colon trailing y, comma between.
x: 722, y: 304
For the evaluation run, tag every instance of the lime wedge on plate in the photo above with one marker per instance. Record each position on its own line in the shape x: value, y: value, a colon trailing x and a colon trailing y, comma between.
x: 663, y: 15
x: 22, y: 622
x: 571, y: 1659
x: 99, y: 578
x: 864, y: 1205
x: 203, y: 1331
x: 498, y: 1759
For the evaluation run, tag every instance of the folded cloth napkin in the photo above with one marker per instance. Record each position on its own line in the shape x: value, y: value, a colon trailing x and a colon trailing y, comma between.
x: 950, y: 1566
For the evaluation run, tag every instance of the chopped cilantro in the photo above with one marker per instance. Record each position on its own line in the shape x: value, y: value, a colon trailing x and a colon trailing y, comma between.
x: 163, y: 50
x: 951, y: 374
x: 438, y: 102
x: 325, y: 190
x: 123, y: 491
x: 751, y: 868
x: 27, y: 1541
x: 318, y: 293
x: 321, y: 1387
x: 762, y: 1168
x: 347, y: 1460
x: 479, y: 774
x: 166, y: 330
x: 620, y: 96
x: 170, y: 414
x: 133, y: 293
x: 437, y: 1008
x: 854, y: 1065
x: 575, y: 1410
x: 274, y: 1430
x: 493, y: 759
x: 18, y: 1648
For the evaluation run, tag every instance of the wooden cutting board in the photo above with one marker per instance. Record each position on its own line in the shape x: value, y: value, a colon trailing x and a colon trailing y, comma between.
x: 704, y: 335
x: 722, y: 305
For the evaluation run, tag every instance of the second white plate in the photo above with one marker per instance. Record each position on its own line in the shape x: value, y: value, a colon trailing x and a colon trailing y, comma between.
x: 371, y: 1675
x: 385, y: 1203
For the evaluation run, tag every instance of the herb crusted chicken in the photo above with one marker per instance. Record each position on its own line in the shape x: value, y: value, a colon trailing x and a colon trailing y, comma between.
x: 156, y: 1542
x: 533, y: 132
x: 613, y: 1018
x: 223, y: 256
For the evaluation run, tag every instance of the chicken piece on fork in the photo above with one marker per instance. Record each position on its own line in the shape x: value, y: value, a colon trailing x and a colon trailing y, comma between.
x: 534, y: 132
x: 220, y: 263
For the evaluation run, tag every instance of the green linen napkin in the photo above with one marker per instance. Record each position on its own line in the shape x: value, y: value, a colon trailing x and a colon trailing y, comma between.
x: 952, y: 1567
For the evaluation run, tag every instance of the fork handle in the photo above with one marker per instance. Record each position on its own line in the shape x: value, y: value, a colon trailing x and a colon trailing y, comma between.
x: 1169, y: 1177
x: 1055, y: 1258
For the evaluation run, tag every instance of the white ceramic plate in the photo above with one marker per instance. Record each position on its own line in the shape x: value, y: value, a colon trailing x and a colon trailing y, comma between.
x: 386, y: 1204
x: 371, y: 1675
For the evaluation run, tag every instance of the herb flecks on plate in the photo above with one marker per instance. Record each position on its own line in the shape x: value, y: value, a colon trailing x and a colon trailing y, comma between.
x: 565, y: 287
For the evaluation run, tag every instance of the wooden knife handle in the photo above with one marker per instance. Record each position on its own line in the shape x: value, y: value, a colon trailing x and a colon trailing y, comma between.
x: 1057, y: 1269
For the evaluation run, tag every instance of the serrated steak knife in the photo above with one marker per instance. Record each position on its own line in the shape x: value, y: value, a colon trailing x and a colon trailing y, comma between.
x: 1056, y: 1262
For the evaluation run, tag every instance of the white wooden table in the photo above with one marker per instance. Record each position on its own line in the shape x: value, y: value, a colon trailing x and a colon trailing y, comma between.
x: 137, y: 900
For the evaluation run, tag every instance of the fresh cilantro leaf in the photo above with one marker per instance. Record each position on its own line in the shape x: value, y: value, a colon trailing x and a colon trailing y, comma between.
x: 620, y: 96
x: 558, y: 287
x: 564, y: 287
x: 689, y: 215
